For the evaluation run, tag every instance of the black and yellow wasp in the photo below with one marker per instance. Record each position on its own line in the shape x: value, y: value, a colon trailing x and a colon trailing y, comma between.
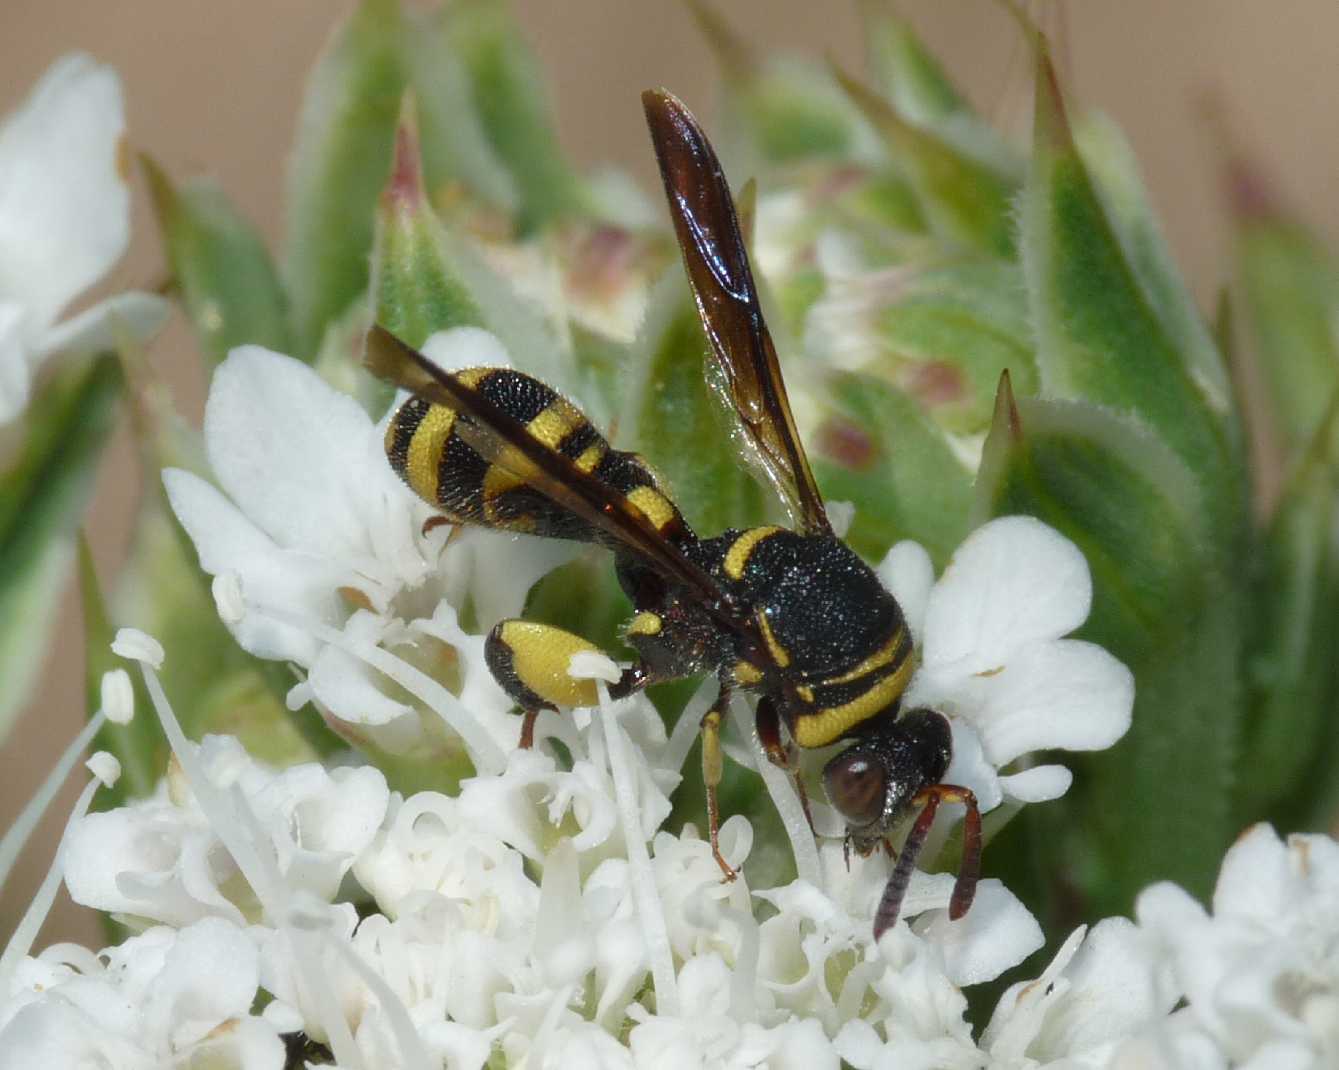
x: 793, y: 616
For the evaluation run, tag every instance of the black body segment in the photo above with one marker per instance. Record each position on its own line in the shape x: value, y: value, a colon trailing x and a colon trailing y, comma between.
x: 429, y: 449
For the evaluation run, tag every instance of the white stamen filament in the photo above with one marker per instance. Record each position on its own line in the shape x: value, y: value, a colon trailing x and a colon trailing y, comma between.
x: 31, y: 923
x: 786, y: 801
x: 686, y: 728
x: 32, y: 813
x: 215, y: 803
x: 486, y: 755
x: 412, y: 1055
x: 644, y: 891
x: 328, y: 1011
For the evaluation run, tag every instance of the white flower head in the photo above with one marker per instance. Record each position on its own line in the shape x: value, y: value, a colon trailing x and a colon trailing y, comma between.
x: 64, y: 221
x: 165, y: 997
x: 321, y: 554
x: 1260, y: 973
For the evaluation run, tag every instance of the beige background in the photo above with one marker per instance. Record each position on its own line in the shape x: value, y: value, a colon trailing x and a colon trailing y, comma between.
x: 214, y: 87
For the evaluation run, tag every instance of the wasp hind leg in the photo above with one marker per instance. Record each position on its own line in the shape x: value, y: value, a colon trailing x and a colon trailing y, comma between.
x: 767, y: 723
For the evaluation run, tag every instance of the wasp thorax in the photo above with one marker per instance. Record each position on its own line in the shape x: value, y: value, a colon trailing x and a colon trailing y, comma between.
x: 857, y: 785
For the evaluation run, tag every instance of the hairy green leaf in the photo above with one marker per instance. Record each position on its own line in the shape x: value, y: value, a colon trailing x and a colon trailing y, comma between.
x: 339, y: 165
x: 512, y: 106
x: 1158, y: 804
x: 1100, y: 335
x: 42, y: 498
x: 227, y: 281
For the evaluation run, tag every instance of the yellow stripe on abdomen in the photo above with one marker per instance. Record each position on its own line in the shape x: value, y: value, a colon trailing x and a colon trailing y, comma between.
x: 826, y: 726
x: 424, y: 457
x: 653, y: 505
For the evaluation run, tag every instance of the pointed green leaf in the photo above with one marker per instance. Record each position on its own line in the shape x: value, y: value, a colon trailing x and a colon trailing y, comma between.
x: 1158, y: 805
x: 512, y: 105
x: 428, y: 278
x: 965, y: 200
x: 1290, y: 669
x: 416, y: 291
x: 456, y: 146
x: 1100, y: 336
x: 875, y: 447
x: 674, y: 419
x: 1110, y: 160
x: 42, y: 497
x: 1290, y: 290
x: 139, y: 746
x: 339, y: 165
x: 902, y: 67
x: 223, y: 271
x: 905, y: 73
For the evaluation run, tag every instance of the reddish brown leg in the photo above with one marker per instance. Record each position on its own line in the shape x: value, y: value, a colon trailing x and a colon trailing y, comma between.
x: 528, y: 730
x: 964, y: 890
x: 767, y: 722
x: 433, y: 522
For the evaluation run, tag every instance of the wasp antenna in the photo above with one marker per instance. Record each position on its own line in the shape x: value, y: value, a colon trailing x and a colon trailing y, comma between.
x: 891, y: 903
x: 969, y: 871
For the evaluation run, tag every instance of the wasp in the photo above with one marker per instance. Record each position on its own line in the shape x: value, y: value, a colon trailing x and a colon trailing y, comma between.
x: 790, y: 614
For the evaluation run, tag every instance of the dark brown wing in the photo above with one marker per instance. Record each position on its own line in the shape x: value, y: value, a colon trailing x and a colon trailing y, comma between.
x: 502, y: 440
x: 718, y: 268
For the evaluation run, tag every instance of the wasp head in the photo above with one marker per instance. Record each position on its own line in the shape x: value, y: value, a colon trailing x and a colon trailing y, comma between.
x: 872, y: 782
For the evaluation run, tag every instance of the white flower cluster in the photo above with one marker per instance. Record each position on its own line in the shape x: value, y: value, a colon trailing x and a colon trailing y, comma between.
x: 541, y: 915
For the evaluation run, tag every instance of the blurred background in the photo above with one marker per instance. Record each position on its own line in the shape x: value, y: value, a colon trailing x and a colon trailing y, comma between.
x: 214, y: 88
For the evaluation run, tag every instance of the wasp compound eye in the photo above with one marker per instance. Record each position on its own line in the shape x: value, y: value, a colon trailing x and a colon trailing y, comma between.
x: 857, y: 784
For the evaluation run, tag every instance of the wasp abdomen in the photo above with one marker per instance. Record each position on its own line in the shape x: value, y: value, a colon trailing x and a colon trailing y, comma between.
x: 428, y: 453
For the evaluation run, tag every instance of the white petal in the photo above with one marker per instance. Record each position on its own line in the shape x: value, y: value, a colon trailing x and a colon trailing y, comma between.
x: 64, y: 201
x: 909, y: 575
x: 1113, y: 993
x: 466, y: 347
x: 244, y: 1044
x: 210, y: 975
x: 1041, y: 783
x: 997, y: 933
x: 1013, y: 581
x: 301, y: 459
x: 228, y: 542
x: 968, y: 768
x: 98, y: 329
x: 349, y: 688
x: 1065, y: 694
x: 50, y: 1034
x: 16, y: 362
x: 1255, y: 882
